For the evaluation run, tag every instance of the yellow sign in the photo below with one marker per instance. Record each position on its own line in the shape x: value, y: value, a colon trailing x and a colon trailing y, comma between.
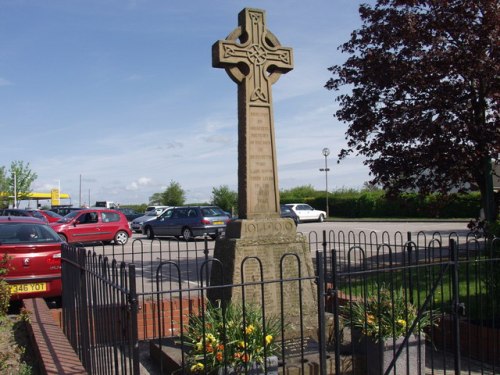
x: 54, y: 197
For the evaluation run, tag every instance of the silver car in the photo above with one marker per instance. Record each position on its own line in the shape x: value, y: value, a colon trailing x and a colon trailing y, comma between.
x: 136, y: 224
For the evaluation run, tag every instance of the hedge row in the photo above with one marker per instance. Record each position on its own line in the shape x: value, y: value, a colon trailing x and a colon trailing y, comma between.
x: 409, y: 205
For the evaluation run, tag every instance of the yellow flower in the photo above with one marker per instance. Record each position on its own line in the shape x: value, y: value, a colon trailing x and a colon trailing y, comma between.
x: 210, y: 337
x: 402, y: 322
x: 249, y: 329
x: 198, y: 367
x: 199, y: 346
x: 269, y: 339
x: 241, y: 344
x: 370, y: 319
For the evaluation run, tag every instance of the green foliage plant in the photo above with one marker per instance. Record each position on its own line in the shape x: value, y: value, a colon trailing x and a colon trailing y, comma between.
x: 230, y: 336
x: 24, y: 177
x: 225, y: 198
x: 173, y: 195
x: 385, y: 314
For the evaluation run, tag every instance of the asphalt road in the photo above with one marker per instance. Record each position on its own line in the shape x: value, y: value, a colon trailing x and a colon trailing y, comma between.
x: 147, y: 254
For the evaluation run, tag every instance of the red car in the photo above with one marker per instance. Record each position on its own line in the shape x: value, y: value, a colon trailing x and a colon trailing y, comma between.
x: 93, y: 225
x: 52, y: 217
x: 32, y: 252
x: 47, y: 216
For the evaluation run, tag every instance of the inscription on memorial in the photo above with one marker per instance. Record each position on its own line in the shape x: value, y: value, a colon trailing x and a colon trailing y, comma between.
x: 261, y: 174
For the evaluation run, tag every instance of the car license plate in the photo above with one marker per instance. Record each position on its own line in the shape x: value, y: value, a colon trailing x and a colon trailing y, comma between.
x: 28, y: 288
x: 218, y: 222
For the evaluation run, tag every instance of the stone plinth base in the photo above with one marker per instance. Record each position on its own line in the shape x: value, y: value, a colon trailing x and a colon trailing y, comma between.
x: 274, y: 263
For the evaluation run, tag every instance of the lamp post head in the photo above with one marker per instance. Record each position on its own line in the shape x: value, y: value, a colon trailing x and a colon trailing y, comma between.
x: 326, y: 151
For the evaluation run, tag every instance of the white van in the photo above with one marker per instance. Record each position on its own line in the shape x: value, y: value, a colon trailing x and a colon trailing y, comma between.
x: 105, y: 204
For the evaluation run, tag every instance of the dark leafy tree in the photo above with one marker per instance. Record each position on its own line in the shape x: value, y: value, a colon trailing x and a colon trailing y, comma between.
x: 225, y: 198
x: 420, y: 92
x: 20, y: 177
x: 174, y: 195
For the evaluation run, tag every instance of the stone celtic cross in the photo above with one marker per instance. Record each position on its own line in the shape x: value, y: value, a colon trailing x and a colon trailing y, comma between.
x: 254, y: 59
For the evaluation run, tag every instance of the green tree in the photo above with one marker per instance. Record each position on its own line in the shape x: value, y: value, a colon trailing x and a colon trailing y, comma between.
x: 419, y: 92
x: 4, y: 187
x: 20, y: 178
x: 174, y: 195
x: 156, y: 199
x: 225, y: 198
x: 298, y: 193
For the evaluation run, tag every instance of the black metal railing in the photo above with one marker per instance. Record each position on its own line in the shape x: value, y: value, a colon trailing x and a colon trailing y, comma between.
x: 118, y: 303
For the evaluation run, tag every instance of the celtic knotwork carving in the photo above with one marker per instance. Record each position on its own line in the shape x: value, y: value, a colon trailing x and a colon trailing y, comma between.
x: 255, y: 17
x: 257, y: 54
x: 285, y: 57
x: 228, y: 51
x: 258, y: 94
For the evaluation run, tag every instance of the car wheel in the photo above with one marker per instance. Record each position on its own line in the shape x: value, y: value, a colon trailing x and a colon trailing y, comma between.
x: 321, y: 218
x: 63, y: 237
x: 150, y: 234
x: 187, y: 234
x: 121, y: 238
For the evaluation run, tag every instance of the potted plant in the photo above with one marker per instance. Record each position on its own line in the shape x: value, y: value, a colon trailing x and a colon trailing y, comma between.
x: 231, y: 340
x: 379, y: 326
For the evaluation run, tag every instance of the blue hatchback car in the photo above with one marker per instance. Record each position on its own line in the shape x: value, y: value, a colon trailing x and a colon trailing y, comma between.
x: 188, y: 222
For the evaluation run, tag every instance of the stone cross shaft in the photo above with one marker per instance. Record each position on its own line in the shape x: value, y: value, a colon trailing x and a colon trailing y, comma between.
x: 254, y: 59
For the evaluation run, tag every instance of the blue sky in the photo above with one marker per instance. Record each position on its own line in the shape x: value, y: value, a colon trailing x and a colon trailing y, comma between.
x: 123, y: 94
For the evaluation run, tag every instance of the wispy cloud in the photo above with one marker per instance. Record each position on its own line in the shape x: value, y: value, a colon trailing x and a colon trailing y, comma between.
x: 4, y: 82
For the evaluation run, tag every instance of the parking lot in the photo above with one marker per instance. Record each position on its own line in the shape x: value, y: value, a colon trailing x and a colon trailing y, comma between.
x: 148, y: 254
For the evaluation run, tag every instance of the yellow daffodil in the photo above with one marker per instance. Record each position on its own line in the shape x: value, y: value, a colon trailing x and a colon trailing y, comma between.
x: 402, y: 322
x: 249, y: 329
x: 198, y: 367
x: 269, y: 339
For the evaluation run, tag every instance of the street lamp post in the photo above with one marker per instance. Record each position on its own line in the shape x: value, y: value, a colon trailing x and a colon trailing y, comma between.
x: 326, y: 152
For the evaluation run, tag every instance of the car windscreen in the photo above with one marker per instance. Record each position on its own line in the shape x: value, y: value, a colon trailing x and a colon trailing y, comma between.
x: 69, y: 217
x: 14, y: 233
x: 52, y: 214
x: 212, y: 212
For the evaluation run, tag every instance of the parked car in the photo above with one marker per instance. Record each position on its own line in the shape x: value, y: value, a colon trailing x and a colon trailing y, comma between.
x: 52, y: 217
x: 20, y: 212
x: 155, y: 208
x: 129, y: 213
x: 287, y: 212
x: 137, y: 224
x: 43, y: 215
x: 188, y: 222
x: 93, y: 225
x: 64, y: 210
x: 33, y: 252
x: 307, y: 213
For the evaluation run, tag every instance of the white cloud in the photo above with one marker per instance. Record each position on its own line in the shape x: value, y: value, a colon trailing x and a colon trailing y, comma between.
x: 4, y: 82
x: 140, y: 183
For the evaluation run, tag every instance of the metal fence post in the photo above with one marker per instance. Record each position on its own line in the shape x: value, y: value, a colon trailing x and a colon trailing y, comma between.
x: 84, y: 327
x: 336, y: 319
x: 133, y: 301
x: 321, y: 312
x: 410, y: 274
x: 455, y: 305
